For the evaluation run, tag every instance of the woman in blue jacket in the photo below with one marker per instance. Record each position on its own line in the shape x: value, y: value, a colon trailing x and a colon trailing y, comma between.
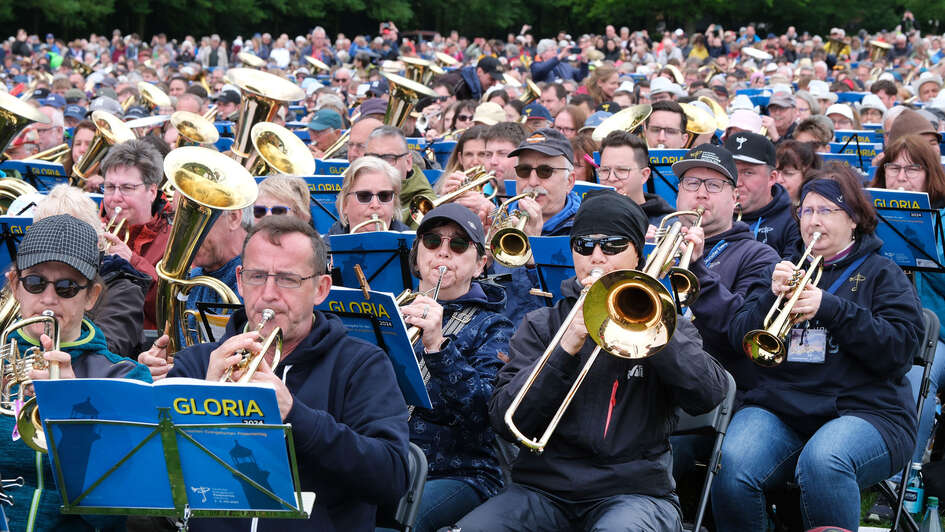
x: 463, y: 334
x: 909, y: 163
x: 838, y: 414
x: 56, y: 269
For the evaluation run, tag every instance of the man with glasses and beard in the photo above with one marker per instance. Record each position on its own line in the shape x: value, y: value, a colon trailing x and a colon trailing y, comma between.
x: 388, y: 143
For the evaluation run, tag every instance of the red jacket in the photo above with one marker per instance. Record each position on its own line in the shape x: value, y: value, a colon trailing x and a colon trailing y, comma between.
x: 147, y: 243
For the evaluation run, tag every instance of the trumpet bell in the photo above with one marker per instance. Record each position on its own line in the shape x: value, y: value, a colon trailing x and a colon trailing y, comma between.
x: 419, y: 207
x: 629, y: 314
x: 686, y: 285
x: 764, y: 348
x: 280, y: 151
x: 30, y: 427
x: 629, y: 119
x: 510, y: 247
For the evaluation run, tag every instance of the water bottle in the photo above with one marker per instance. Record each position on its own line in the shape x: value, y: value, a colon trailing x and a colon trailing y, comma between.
x: 932, y: 521
x: 915, y: 494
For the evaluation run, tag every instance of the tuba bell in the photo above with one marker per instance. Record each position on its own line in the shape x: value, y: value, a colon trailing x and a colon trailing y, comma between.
x: 279, y: 151
x: 193, y: 129
x: 207, y: 183
x: 404, y: 94
x: 263, y: 93
x: 109, y: 130
x: 15, y: 115
x: 12, y: 188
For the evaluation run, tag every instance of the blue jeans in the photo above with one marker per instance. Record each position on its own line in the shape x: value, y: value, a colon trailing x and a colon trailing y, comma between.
x: 761, y: 452
x: 444, y: 502
x: 927, y: 415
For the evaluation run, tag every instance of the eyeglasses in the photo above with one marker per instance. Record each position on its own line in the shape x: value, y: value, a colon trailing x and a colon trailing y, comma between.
x: 365, y: 196
x: 618, y: 172
x: 713, y: 186
x: 65, y: 288
x: 124, y: 190
x: 464, y: 118
x: 543, y: 171
x: 565, y: 130
x: 609, y: 245
x: 341, y: 80
x: 260, y: 210
x: 283, y: 279
x: 389, y: 158
x: 807, y: 212
x: 669, y: 131
x: 912, y: 170
x: 458, y: 244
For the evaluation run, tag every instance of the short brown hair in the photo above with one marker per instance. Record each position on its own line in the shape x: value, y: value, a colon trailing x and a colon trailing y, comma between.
x: 274, y: 227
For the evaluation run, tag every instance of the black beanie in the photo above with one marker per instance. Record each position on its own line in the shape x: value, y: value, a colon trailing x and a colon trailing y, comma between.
x: 607, y: 212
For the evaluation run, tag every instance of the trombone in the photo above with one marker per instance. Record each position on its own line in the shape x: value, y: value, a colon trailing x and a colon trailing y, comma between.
x: 250, y: 361
x: 375, y: 220
x: 766, y: 347
x: 28, y: 422
x: 508, y: 242
x: 420, y: 205
x: 56, y: 154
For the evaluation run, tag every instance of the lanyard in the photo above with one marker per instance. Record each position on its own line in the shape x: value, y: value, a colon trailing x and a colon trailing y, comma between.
x: 757, y: 226
x: 714, y: 253
x: 846, y: 273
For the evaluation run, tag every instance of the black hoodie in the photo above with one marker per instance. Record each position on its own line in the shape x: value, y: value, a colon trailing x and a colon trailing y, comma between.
x: 655, y: 207
x: 774, y: 224
x: 349, y: 424
x: 873, y: 324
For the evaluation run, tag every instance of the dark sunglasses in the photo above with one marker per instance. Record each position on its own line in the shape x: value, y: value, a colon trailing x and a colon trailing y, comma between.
x: 65, y: 288
x: 458, y: 244
x: 543, y: 171
x: 609, y: 245
x: 464, y: 118
x: 365, y: 196
x: 259, y: 211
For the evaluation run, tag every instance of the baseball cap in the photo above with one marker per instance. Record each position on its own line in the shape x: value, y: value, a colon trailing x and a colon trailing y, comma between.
x: 326, y: 119
x: 610, y: 107
x: 135, y: 111
x: 373, y: 106
x: 547, y: 141
x: 661, y: 84
x: 751, y: 148
x: 379, y: 87
x: 489, y: 113
x: 60, y: 238
x: 782, y: 99
x: 74, y: 95
x: 595, y: 120
x: 74, y: 111
x: 490, y: 65
x: 104, y: 103
x: 708, y: 156
x: 458, y: 214
x: 536, y: 111
x: 54, y: 100
x: 228, y: 96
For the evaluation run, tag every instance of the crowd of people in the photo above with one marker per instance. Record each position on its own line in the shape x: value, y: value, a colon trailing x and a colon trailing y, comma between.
x: 545, y: 113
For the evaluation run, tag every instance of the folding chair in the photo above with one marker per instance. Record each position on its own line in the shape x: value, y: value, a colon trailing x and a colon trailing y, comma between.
x: 716, y: 420
x: 405, y: 515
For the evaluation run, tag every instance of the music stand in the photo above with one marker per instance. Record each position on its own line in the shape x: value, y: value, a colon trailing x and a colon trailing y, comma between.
x: 42, y: 175
x: 11, y: 231
x: 384, y: 257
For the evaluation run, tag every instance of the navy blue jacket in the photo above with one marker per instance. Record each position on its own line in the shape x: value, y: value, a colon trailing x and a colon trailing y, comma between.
x: 655, y: 207
x: 740, y: 270
x: 455, y: 435
x: 554, y: 69
x: 349, y: 424
x: 465, y: 83
x: 873, y: 324
x: 614, y: 438
x: 774, y: 224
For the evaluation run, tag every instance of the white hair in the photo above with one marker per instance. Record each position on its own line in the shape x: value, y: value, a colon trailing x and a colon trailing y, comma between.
x: 544, y: 45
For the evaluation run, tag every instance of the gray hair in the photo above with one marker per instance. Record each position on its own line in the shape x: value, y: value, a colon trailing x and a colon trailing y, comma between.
x: 274, y: 227
x: 360, y: 166
x: 138, y: 154
x: 290, y: 189
x: 544, y: 45
x: 388, y: 131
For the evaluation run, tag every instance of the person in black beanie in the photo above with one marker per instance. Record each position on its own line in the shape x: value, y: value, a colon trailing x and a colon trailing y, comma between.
x: 615, y: 435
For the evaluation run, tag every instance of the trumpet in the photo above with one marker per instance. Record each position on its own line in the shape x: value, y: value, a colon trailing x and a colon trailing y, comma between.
x: 28, y: 423
x: 766, y: 346
x: 684, y: 281
x: 407, y: 296
x: 420, y: 206
x: 250, y: 361
x: 375, y: 219
x: 114, y: 226
x: 508, y: 242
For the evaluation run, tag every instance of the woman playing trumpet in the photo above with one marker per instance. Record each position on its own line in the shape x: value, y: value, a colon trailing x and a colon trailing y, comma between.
x: 370, y: 189
x: 57, y: 269
x: 838, y: 414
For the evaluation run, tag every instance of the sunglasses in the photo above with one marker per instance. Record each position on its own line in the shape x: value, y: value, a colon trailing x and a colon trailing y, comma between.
x: 464, y: 118
x: 259, y: 210
x: 365, y: 196
x: 65, y: 288
x: 609, y: 245
x: 543, y: 171
x: 458, y: 244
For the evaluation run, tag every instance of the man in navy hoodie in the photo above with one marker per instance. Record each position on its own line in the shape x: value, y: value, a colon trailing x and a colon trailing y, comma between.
x: 339, y: 393
x: 766, y: 206
x: 471, y: 82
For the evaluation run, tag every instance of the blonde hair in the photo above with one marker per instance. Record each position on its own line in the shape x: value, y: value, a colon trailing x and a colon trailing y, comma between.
x: 293, y: 190
x: 597, y: 75
x: 66, y: 199
x: 367, y: 164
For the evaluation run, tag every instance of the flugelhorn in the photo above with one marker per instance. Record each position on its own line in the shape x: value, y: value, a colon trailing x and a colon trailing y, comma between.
x: 28, y: 423
x: 263, y: 93
x: 115, y: 225
x: 250, y: 361
x: 207, y: 183
x: 420, y: 205
x: 766, y: 347
x: 109, y: 130
x: 374, y: 220
x: 507, y: 239
x: 279, y: 151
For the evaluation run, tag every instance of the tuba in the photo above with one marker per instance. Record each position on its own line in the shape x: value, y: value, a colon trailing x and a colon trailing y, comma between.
x: 15, y: 115
x: 109, y: 130
x: 279, y: 151
x: 630, y: 119
x: 150, y: 97
x: 508, y: 243
x: 420, y: 70
x: 317, y: 65
x: 193, y: 129
x: 766, y: 347
x: 28, y: 422
x: 249, y: 362
x: 698, y: 122
x: 404, y: 94
x: 250, y: 60
x: 207, y: 183
x: 878, y: 50
x: 263, y: 93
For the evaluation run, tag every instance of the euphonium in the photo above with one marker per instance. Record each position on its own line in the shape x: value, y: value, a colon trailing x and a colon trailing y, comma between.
x: 404, y: 94
x: 420, y: 205
x: 10, y: 189
x: 109, y: 130
x: 15, y: 115
x: 698, y: 122
x: 28, y: 423
x: 208, y: 183
x: 279, y: 151
x: 56, y: 154
x: 766, y: 347
x: 262, y: 93
x: 507, y: 239
x: 374, y: 220
x: 249, y: 362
